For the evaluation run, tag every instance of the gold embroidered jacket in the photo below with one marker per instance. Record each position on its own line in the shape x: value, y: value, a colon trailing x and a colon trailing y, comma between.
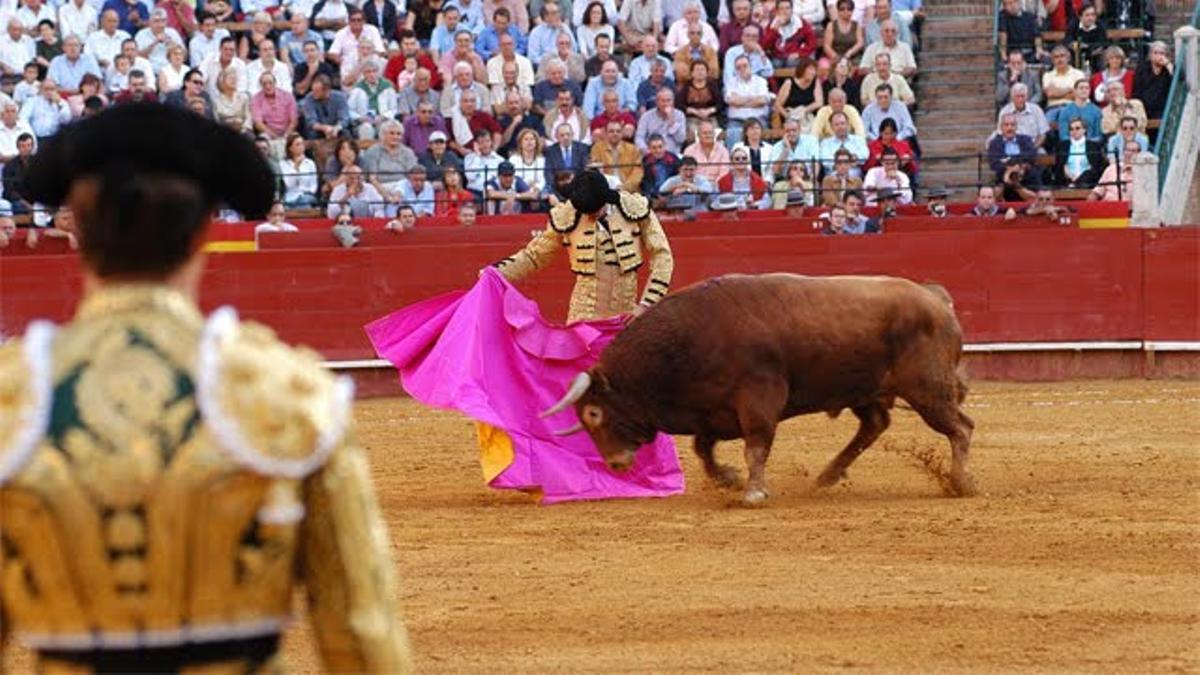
x: 168, y: 481
x: 604, y: 253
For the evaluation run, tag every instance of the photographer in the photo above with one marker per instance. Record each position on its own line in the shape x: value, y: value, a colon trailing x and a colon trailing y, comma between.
x: 1017, y: 181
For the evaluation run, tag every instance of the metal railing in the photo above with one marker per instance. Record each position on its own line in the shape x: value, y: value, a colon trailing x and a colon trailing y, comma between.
x: 1173, y: 112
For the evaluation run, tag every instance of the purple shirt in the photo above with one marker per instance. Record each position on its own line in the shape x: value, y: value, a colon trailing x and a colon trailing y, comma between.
x: 416, y: 135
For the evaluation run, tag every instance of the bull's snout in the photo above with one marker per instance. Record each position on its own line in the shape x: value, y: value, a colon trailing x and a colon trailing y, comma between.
x: 621, y: 462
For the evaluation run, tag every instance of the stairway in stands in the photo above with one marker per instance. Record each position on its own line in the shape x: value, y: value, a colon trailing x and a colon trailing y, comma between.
x: 955, y: 93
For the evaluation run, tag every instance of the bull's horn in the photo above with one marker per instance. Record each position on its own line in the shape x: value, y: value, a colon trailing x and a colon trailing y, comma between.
x: 573, y: 430
x: 578, y: 386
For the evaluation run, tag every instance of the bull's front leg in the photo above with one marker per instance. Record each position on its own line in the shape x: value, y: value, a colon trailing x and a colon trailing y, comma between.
x: 759, y: 404
x: 721, y: 474
x: 758, y: 448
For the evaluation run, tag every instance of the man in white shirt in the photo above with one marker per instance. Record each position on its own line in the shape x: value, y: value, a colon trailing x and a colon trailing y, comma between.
x: 11, y: 128
x: 333, y: 16
x: 345, y: 41
x: 105, y: 43
x: 267, y: 63
x: 639, y: 67
x: 78, y: 18
x: 218, y: 61
x: 206, y: 41
x: 16, y: 49
x: 138, y: 62
x: 154, y: 39
x: 506, y: 53
x: 748, y: 98
x: 34, y: 12
x: 751, y: 48
x: 903, y: 61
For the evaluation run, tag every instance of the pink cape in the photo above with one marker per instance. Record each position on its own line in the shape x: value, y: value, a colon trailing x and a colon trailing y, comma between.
x: 489, y: 354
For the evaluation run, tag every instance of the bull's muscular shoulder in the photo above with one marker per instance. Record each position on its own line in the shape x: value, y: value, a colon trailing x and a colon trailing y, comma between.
x: 562, y: 217
x: 274, y: 407
x: 633, y: 206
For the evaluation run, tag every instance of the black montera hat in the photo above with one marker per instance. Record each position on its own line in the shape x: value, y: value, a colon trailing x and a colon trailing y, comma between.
x: 590, y: 192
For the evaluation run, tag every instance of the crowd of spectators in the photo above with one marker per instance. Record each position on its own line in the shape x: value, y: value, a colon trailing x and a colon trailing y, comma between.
x: 1076, y: 113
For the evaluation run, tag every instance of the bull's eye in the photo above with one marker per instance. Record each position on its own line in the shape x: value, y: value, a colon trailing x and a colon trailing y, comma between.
x: 592, y: 415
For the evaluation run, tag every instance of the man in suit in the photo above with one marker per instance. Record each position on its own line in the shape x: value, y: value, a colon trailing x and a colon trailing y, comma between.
x: 1080, y: 159
x: 1008, y: 143
x: 566, y: 154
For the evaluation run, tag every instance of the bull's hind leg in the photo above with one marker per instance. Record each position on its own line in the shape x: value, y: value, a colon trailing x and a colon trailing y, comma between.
x: 721, y: 474
x: 945, y: 417
x: 873, y: 420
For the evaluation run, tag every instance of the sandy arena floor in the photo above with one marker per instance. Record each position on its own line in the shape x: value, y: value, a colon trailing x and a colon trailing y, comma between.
x: 1081, y: 553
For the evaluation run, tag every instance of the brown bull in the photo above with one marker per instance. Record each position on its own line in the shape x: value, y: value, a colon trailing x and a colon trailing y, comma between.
x: 733, y: 356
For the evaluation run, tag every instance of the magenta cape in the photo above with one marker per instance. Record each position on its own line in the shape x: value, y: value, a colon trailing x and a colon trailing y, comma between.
x: 489, y: 354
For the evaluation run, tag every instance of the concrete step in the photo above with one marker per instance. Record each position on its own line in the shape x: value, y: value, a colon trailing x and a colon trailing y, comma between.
x: 971, y: 24
x: 969, y: 101
x: 952, y: 59
x: 937, y: 43
x: 953, y: 148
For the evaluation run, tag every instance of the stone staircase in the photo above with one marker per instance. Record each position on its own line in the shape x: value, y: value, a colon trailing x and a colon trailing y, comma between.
x: 955, y: 94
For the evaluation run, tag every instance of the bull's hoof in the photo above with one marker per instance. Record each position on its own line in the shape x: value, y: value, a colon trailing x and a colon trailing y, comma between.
x: 726, y: 477
x: 754, y: 497
x: 831, y: 476
x: 962, y: 485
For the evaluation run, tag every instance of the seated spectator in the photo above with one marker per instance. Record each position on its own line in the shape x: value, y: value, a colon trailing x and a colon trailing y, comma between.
x: 730, y: 31
x: 414, y: 191
x: 419, y: 128
x: 420, y: 91
x: 695, y: 50
x: 1087, y: 36
x: 887, y: 175
x: 649, y: 88
x: 760, y: 150
x: 838, y: 182
x: 543, y: 36
x: 8, y: 226
x: 68, y: 68
x: 1115, y: 71
x: 711, y: 157
x: 883, y: 75
x: 795, y: 146
x: 664, y: 121
x: 462, y: 85
x: 291, y: 42
x: 611, y: 111
x: 1031, y: 121
x: 325, y: 112
x: 576, y: 68
x: 91, y: 86
x: 902, y: 60
x: 509, y: 84
x: 617, y: 158
x: 528, y: 160
x: 441, y: 40
x: 410, y: 48
x: 688, y: 189
x: 488, y: 42
x: 1058, y: 83
x: 692, y: 18
x: 747, y: 98
x: 1016, y: 72
x: 1152, y: 81
x: 835, y: 224
x: 1018, y: 29
x: 545, y: 92
x: 822, y: 127
x: 567, y: 113
x: 46, y: 112
x: 935, y: 202
x: 344, y: 231
x: 14, y: 174
x: 844, y: 39
x: 1043, y: 205
x: 884, y: 108
x: 800, y: 95
x: 262, y: 31
x: 276, y: 221
x: 1116, y: 183
x: 372, y: 101
x: 658, y: 165
x: 856, y: 222
x: 405, y: 220
x: 481, y: 163
x: 507, y: 193
x: 1008, y: 144
x: 345, y: 153
x: 793, y: 187
x: 508, y: 55
x: 29, y: 85
x: 873, y: 29
x: 354, y: 197
x: 273, y: 113
x: 639, y: 19
x: 12, y: 127
x: 1128, y: 131
x: 986, y: 206
x: 566, y: 155
x: 1080, y: 159
x: 438, y: 158
x: 516, y: 119
x: 751, y: 49
x: 230, y: 106
x: 298, y: 174
x: 1119, y: 108
x: 888, y: 139
x: 466, y: 123
x: 788, y: 37
x: 751, y: 190
x: 453, y: 195
x: 313, y: 66
x: 700, y: 98
x: 138, y: 91
x: 602, y: 55
x: 595, y: 23
x: 463, y: 53
x: 840, y: 75
x: 387, y: 163
x: 61, y: 226
x: 1019, y: 179
x: 609, y: 79
x: 842, y: 139
x: 1081, y: 107
x: 466, y: 212
x: 170, y: 78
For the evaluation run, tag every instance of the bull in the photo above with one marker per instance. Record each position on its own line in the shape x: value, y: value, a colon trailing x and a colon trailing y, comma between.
x: 733, y: 356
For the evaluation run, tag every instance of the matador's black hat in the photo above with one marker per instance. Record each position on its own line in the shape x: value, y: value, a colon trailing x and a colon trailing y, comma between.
x: 590, y: 192
x: 147, y: 138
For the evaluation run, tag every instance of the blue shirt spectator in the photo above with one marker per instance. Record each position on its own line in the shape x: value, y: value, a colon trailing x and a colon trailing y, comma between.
x: 324, y: 109
x: 133, y: 14
x: 489, y: 40
x: 294, y: 44
x: 47, y: 111
x: 421, y: 200
x: 874, y: 114
x: 1088, y: 112
x: 542, y: 41
x: 67, y: 72
x: 471, y: 12
x: 609, y: 78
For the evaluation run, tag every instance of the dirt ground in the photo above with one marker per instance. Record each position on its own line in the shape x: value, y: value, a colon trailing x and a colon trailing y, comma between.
x: 1080, y: 554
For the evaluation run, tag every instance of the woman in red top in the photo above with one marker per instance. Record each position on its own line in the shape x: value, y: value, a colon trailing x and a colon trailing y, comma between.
x: 1115, y: 70
x: 453, y: 194
x: 887, y: 139
x: 742, y: 181
x: 1059, y: 13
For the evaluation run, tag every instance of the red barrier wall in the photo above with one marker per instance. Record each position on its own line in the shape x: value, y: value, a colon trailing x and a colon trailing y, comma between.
x: 1053, y: 284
